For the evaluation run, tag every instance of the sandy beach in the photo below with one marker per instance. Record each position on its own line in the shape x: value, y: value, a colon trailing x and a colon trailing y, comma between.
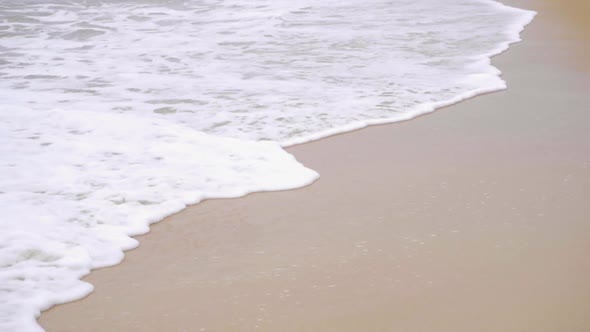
x: 473, y: 218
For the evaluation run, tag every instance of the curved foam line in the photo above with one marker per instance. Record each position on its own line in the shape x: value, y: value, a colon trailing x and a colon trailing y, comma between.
x: 514, y: 29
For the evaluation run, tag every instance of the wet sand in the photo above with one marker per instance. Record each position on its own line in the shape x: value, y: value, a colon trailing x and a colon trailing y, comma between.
x: 473, y: 218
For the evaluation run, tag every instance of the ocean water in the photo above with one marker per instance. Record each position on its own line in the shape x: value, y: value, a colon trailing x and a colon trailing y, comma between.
x: 116, y: 114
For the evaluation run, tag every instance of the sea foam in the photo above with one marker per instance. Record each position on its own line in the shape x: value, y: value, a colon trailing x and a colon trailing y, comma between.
x: 116, y: 114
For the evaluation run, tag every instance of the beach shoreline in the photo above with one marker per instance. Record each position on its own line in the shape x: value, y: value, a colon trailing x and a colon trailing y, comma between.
x: 473, y: 217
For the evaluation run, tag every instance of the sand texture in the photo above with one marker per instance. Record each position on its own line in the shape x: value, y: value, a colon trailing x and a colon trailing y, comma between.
x: 473, y: 218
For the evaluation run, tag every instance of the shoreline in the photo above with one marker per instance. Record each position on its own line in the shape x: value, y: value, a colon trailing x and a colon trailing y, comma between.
x: 237, y: 251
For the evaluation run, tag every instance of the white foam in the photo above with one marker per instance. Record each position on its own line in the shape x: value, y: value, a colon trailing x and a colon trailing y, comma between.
x: 78, y: 184
x: 116, y: 114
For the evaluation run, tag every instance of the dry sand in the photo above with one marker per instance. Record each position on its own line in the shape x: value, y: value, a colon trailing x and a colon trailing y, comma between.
x: 473, y: 218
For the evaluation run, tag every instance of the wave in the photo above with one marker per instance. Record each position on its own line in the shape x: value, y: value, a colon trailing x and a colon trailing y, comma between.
x: 114, y: 115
